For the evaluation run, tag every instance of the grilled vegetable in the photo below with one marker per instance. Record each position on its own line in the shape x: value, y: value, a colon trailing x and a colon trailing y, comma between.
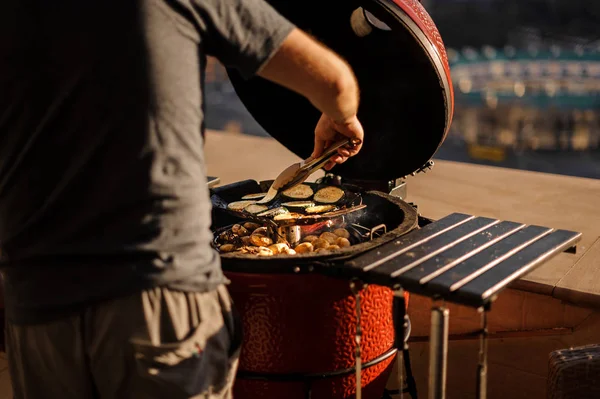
x: 290, y: 251
x: 342, y: 233
x: 304, y: 248
x: 298, y: 204
x: 239, y: 205
x: 251, y: 226
x: 342, y: 242
x: 246, y: 240
x: 329, y: 237
x: 320, y: 243
x: 279, y: 248
x: 285, y: 216
x: 254, y: 196
x: 301, y: 191
x: 226, y: 247
x: 228, y: 237
x: 239, y: 230
x: 261, y: 230
x: 262, y: 251
x: 260, y: 240
x: 255, y: 208
x: 329, y: 195
x: 320, y: 209
x: 249, y: 250
x: 273, y: 212
x: 310, y: 238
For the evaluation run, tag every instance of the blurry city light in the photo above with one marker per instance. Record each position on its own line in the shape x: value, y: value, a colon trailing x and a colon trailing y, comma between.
x: 519, y: 89
x: 465, y: 85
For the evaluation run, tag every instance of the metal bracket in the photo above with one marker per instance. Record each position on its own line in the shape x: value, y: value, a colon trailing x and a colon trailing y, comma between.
x: 423, y: 169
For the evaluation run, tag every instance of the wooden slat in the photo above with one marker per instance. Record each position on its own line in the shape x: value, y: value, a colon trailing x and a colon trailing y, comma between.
x: 498, y: 277
x: 465, y: 260
x: 476, y: 265
x: 432, y: 247
x: 452, y: 257
x: 373, y: 259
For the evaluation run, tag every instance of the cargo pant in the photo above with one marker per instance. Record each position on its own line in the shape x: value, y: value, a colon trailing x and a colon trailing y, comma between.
x: 159, y: 344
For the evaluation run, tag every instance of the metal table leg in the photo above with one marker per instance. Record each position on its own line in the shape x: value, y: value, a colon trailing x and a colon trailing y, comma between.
x: 438, y: 352
x: 482, y: 366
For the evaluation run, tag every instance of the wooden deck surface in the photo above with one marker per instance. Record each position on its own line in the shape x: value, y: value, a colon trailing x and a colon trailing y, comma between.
x: 534, y: 198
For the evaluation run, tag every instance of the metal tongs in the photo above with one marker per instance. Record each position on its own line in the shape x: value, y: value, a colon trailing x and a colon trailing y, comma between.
x: 299, y: 172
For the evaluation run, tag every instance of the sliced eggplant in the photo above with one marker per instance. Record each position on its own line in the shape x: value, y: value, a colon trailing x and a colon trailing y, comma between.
x: 273, y: 212
x: 239, y: 205
x: 255, y: 208
x: 299, y: 204
x: 329, y: 195
x: 320, y: 209
x: 301, y: 191
x: 256, y: 196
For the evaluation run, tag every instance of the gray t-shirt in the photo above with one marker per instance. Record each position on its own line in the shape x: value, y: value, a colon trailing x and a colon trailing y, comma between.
x: 102, y: 177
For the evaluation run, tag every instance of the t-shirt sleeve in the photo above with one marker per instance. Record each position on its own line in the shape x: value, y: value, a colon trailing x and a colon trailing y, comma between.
x: 243, y: 34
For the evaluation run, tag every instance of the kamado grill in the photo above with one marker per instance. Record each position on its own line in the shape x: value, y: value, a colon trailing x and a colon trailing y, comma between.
x: 327, y: 319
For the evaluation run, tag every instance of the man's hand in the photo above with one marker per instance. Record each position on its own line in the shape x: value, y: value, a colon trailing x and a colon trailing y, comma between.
x: 329, y: 131
x: 312, y: 70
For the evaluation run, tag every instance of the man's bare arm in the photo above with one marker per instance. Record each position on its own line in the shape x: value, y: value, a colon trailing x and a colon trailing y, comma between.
x: 305, y: 66
x: 308, y: 68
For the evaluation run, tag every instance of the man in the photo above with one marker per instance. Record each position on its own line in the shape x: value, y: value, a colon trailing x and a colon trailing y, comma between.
x: 112, y: 288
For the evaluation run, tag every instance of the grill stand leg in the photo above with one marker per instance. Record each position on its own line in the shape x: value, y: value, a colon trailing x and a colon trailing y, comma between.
x: 411, y: 385
x: 482, y: 366
x: 400, y: 319
x: 438, y: 352
x: 356, y: 287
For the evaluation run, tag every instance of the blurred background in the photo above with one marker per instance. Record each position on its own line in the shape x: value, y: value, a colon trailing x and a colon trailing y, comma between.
x: 526, y: 76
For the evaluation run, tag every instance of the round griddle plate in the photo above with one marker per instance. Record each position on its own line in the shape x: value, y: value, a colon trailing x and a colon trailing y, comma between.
x: 406, y: 95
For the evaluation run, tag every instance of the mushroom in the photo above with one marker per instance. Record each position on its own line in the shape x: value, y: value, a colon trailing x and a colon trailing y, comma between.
x: 329, y: 237
x: 250, y: 226
x: 226, y: 247
x: 279, y: 248
x: 303, y: 248
x: 320, y: 243
x: 240, y: 230
x: 260, y: 240
x: 342, y: 233
x: 342, y: 242
x: 310, y: 238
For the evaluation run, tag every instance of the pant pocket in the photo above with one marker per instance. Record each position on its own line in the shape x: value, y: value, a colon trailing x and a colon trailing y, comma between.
x: 233, y: 321
x: 199, y: 364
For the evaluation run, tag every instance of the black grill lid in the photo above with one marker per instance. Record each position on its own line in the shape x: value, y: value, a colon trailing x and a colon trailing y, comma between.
x: 406, y: 94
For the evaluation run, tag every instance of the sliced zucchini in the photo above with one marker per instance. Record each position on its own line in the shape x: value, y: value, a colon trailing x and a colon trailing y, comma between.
x: 254, y: 196
x: 256, y: 208
x: 329, y: 195
x: 301, y: 191
x: 239, y: 205
x: 273, y: 212
x: 320, y: 209
x: 286, y: 216
x: 298, y: 204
